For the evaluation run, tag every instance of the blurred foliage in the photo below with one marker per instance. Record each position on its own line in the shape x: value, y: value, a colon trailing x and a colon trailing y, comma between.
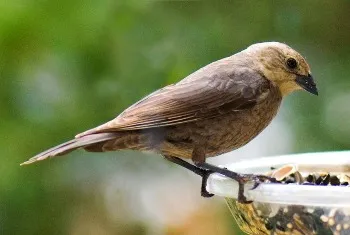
x: 66, y: 66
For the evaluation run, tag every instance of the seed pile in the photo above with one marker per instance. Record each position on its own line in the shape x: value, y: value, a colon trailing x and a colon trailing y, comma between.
x: 260, y: 218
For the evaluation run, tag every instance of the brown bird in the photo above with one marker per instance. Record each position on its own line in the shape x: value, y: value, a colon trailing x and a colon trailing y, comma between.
x: 214, y: 110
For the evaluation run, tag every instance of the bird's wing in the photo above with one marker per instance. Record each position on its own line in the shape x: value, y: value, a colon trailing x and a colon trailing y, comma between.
x: 197, y: 97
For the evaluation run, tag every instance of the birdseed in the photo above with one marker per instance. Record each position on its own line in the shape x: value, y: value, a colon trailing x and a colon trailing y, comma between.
x: 258, y: 219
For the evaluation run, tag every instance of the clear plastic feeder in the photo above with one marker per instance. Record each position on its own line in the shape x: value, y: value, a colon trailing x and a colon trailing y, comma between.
x: 290, y: 208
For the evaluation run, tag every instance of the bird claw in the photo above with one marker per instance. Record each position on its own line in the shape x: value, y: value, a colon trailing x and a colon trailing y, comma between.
x: 206, y: 194
x: 242, y: 179
x: 205, y: 176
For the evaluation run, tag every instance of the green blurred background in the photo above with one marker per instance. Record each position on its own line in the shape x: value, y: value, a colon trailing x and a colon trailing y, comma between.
x: 66, y: 66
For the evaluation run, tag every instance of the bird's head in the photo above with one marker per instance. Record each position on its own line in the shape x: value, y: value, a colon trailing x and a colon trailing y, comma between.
x: 283, y: 66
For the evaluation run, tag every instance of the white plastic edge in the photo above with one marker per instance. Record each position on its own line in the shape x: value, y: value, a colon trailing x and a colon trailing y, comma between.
x: 338, y: 196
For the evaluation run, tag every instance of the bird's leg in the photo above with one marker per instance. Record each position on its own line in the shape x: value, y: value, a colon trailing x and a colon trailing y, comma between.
x: 185, y: 164
x: 197, y: 170
x: 198, y: 157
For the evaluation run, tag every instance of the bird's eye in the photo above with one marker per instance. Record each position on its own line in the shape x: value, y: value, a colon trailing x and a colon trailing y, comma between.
x: 292, y: 63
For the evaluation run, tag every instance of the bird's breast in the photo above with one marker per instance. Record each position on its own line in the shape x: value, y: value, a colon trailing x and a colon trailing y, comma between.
x: 238, y: 128
x: 224, y: 133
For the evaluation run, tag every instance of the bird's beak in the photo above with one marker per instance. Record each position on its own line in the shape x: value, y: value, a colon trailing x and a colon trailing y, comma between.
x: 307, y: 83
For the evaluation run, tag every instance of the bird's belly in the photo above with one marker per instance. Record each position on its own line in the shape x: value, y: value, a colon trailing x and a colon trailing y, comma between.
x: 233, y: 132
x: 221, y: 134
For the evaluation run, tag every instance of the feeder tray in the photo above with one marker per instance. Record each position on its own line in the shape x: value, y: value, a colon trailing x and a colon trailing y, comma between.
x: 311, y: 196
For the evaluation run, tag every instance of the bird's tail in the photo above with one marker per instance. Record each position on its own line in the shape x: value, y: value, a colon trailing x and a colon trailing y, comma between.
x: 71, y: 145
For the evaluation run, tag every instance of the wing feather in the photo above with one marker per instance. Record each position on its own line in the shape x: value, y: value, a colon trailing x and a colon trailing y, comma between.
x: 199, y: 96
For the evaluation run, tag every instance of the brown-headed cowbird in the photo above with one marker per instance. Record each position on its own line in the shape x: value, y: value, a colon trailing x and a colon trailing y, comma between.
x: 214, y: 110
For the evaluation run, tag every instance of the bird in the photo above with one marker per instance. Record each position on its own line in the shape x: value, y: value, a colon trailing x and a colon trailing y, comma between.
x: 216, y: 109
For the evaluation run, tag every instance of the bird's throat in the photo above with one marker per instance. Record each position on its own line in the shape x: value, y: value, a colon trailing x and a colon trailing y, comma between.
x: 287, y: 87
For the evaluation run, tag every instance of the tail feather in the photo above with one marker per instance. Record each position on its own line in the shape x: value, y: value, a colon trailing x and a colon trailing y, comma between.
x: 71, y: 145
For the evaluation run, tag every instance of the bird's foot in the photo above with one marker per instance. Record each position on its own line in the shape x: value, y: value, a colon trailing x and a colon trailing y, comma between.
x: 242, y: 179
x: 197, y: 170
x: 205, y: 176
